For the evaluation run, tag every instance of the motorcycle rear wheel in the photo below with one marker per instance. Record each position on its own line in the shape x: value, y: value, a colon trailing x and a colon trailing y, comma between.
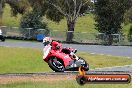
x: 56, y: 64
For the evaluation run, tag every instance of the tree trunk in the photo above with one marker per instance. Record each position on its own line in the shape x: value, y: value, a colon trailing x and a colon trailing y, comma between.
x: 1, y: 12
x: 70, y: 31
x: 110, y: 39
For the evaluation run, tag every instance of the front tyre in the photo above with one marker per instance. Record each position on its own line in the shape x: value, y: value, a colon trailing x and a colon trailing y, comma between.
x: 56, y: 64
x: 86, y: 65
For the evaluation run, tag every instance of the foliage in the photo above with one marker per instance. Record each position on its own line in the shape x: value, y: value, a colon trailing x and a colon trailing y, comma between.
x: 109, y: 15
x: 39, y: 5
x: 70, y: 9
x: 33, y: 20
x: 20, y: 6
x: 17, y: 6
x: 54, y: 14
x: 128, y: 16
x: 8, y: 19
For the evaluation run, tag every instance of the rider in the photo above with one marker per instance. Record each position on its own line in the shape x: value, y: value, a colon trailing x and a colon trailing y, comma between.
x: 54, y: 45
x: 47, y: 47
x: 47, y: 41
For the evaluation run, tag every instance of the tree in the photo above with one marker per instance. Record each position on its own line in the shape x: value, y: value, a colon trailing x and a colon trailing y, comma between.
x: 110, y: 15
x: 17, y: 6
x: 33, y: 20
x: 128, y: 16
x: 39, y: 6
x: 56, y: 10
x: 1, y: 11
x: 70, y: 9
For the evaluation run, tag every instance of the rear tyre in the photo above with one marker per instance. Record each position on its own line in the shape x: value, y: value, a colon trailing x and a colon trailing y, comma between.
x: 56, y: 64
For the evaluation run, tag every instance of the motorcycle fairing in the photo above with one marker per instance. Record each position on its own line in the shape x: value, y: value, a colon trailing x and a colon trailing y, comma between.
x: 60, y: 55
x: 46, y: 50
x: 73, y: 64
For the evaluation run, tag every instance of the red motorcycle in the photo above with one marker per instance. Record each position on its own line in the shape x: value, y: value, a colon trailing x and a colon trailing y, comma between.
x: 62, y: 59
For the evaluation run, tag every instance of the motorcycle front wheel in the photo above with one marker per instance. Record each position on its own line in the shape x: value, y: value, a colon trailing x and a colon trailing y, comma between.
x: 86, y: 65
x: 56, y: 64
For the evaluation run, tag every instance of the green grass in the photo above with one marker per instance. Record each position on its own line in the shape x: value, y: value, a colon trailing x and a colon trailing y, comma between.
x: 62, y: 84
x: 98, y: 61
x: 21, y: 60
x: 30, y: 60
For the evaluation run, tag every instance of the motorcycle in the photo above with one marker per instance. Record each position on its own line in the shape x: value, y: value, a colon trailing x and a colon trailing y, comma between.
x: 62, y: 59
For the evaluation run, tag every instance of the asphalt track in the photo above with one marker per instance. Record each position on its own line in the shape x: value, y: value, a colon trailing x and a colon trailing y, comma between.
x: 93, y: 49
